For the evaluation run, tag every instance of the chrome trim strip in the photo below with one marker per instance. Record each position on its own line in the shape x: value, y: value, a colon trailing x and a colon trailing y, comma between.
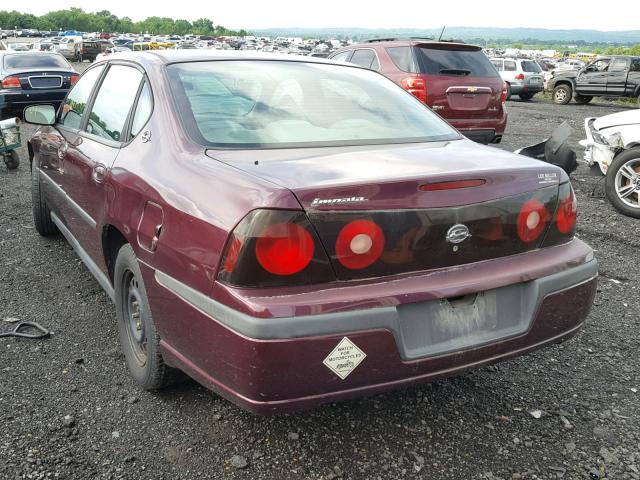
x: 44, y: 76
x: 99, y: 275
x: 77, y: 208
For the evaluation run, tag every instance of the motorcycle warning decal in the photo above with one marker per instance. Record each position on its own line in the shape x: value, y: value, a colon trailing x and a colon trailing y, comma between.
x: 344, y: 358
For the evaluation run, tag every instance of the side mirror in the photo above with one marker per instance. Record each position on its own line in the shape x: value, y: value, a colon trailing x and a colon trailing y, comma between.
x: 40, y: 114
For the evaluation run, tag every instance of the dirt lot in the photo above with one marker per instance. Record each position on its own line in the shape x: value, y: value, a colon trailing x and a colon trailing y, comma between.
x: 69, y: 410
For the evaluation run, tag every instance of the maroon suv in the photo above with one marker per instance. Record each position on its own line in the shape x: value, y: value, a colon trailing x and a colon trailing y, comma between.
x: 455, y: 79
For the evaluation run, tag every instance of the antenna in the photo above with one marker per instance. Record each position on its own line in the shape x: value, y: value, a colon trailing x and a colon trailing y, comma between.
x: 440, y: 37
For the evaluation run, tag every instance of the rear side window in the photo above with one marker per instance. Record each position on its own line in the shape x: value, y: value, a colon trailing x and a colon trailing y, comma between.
x: 635, y: 65
x: 76, y: 103
x: 36, y: 60
x: 510, y: 66
x: 618, y: 65
x: 402, y: 57
x: 447, y: 61
x: 530, y: 67
x: 143, y: 110
x: 342, y: 57
x: 113, y: 102
x: 497, y: 64
x: 365, y: 58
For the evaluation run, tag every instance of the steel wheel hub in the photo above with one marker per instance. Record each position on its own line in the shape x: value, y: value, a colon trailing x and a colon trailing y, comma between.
x: 134, y: 317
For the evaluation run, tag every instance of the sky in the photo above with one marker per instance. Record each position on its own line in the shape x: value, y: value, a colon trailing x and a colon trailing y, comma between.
x: 255, y: 14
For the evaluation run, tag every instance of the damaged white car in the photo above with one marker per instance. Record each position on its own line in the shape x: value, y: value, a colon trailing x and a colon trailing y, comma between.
x: 613, y: 146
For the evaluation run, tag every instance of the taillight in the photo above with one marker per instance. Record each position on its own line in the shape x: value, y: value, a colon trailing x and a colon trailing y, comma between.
x: 416, y: 86
x: 520, y: 76
x: 11, y: 82
x: 563, y: 226
x: 284, y: 248
x: 274, y: 248
x: 532, y: 221
x: 567, y: 213
x: 73, y: 79
x: 503, y: 97
x: 359, y: 244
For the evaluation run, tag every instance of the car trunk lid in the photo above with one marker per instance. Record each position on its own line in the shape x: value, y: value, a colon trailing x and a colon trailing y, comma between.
x: 416, y: 194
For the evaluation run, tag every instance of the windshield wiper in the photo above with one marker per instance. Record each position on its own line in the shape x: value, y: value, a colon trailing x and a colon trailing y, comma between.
x: 455, y: 71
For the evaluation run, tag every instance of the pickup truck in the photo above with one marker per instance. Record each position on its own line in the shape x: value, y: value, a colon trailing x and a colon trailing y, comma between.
x: 611, y: 76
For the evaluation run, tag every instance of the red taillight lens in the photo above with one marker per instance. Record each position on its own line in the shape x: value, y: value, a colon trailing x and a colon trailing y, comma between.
x: 532, y: 221
x: 284, y: 248
x: 359, y: 244
x: 73, y: 79
x: 274, y: 248
x: 503, y: 97
x: 11, y: 82
x: 416, y: 86
x: 567, y: 213
x: 520, y: 76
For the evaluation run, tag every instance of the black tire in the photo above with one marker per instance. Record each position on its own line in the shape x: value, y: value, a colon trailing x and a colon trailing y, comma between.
x: 562, y: 94
x: 526, y: 96
x: 39, y: 209
x: 139, y: 338
x: 615, y: 183
x: 508, y: 91
x: 12, y: 160
x: 583, y: 99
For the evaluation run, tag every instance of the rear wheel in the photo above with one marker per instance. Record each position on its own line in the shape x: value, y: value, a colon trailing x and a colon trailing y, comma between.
x: 40, y: 211
x: 138, y: 335
x: 622, y: 183
x: 526, y: 96
x: 583, y: 99
x: 12, y: 160
x: 562, y: 94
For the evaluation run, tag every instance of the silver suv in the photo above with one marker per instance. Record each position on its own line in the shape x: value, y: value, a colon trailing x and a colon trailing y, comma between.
x: 523, y: 77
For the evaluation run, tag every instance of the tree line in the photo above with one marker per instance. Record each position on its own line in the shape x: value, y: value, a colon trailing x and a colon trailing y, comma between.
x: 105, y: 21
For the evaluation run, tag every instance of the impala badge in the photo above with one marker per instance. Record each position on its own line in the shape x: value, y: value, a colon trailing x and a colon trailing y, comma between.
x: 458, y: 234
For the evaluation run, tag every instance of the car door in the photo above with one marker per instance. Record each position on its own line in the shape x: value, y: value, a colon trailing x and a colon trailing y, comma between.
x: 617, y: 76
x: 54, y: 141
x: 89, y: 159
x: 633, y: 79
x: 592, y: 80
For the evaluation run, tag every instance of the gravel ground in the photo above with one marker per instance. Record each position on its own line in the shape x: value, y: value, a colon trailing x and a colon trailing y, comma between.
x: 68, y: 408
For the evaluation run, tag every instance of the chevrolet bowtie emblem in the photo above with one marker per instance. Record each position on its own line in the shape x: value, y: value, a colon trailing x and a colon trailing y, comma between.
x: 472, y: 89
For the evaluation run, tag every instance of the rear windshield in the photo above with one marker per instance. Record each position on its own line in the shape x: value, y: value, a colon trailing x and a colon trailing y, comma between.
x: 447, y: 61
x: 279, y: 104
x: 530, y: 66
x: 35, y: 60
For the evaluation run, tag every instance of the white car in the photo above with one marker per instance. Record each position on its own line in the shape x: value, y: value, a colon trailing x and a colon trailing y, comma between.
x: 613, y: 145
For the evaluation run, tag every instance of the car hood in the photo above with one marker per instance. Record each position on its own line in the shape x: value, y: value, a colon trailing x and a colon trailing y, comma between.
x: 629, y: 117
x: 390, y: 176
x: 565, y: 73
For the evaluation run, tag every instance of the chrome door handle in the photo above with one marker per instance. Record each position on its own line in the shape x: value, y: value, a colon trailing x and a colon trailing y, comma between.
x: 99, y: 173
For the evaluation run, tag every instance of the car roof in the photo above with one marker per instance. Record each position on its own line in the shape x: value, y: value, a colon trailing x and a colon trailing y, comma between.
x: 196, y: 55
x: 385, y: 42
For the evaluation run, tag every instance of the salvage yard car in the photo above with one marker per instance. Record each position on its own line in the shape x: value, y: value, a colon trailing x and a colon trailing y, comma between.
x: 28, y: 78
x: 293, y: 231
x: 523, y: 77
x: 455, y: 79
x: 613, y: 146
x: 613, y: 76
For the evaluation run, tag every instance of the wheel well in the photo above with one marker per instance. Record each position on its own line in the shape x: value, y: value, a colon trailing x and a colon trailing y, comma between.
x: 564, y: 82
x: 112, y: 241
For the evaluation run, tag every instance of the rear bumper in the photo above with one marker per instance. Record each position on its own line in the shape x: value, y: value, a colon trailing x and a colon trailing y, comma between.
x: 270, y: 365
x: 482, y: 130
x: 17, y: 101
x: 526, y: 88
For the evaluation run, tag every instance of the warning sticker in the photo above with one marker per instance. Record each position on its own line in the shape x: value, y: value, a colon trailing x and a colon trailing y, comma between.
x: 344, y: 358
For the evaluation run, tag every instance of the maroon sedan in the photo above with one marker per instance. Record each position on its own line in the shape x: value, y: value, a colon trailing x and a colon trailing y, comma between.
x: 289, y: 231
